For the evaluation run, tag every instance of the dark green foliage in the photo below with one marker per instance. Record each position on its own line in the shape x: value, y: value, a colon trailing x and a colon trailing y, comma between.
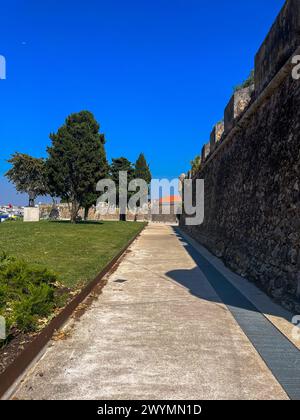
x: 4, y: 291
x: 89, y: 200
x: 118, y: 165
x: 37, y: 303
x: 27, y: 293
x: 142, y: 170
x: 77, y: 160
x: 29, y: 175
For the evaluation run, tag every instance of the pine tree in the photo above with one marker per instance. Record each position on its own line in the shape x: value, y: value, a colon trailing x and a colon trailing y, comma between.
x: 142, y: 170
x: 77, y: 161
x: 118, y: 165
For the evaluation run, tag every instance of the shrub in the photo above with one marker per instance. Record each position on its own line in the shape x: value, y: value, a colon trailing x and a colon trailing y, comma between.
x: 27, y: 293
x: 38, y: 303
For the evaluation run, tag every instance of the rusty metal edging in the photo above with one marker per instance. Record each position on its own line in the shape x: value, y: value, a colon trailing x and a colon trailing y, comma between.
x: 21, y: 363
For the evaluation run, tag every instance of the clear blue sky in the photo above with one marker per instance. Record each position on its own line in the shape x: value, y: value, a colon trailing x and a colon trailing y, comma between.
x: 157, y: 74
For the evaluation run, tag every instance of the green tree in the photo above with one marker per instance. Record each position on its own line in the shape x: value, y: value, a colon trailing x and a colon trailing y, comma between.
x: 196, y: 165
x: 142, y: 170
x: 90, y: 200
x: 118, y: 165
x: 28, y: 174
x: 77, y: 160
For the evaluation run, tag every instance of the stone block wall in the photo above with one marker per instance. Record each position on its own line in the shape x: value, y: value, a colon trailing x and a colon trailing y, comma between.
x: 281, y: 42
x: 252, y: 185
x: 236, y: 106
x: 63, y: 213
x: 31, y: 214
x: 252, y: 197
x: 216, y: 135
x: 205, y: 152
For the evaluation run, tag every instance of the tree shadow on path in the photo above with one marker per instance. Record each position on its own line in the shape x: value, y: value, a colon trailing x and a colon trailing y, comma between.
x: 226, y: 292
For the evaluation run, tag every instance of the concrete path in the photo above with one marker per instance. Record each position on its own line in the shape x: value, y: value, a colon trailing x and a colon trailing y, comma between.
x: 148, y: 336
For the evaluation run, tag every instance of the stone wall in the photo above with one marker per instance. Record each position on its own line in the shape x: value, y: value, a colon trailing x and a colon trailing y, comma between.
x: 205, y: 152
x: 280, y: 43
x: 236, y: 106
x: 171, y: 217
x: 252, y: 189
x: 216, y: 135
x: 63, y: 213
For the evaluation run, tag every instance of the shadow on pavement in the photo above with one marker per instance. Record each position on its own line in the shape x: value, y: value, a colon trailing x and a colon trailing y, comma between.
x: 227, y: 292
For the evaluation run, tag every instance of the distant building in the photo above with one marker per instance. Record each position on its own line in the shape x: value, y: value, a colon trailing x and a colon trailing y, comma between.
x: 168, y: 209
x: 173, y: 200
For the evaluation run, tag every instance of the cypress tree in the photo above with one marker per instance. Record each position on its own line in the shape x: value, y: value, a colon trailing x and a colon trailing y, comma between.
x: 142, y: 170
x: 77, y: 161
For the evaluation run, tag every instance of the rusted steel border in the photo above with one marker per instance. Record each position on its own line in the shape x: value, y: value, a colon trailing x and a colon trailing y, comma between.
x: 21, y: 363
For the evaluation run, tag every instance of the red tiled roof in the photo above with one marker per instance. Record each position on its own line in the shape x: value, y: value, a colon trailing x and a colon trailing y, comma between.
x: 170, y: 199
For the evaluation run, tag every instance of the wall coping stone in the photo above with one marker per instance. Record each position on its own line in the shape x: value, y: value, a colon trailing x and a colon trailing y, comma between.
x: 277, y: 80
x: 281, y: 40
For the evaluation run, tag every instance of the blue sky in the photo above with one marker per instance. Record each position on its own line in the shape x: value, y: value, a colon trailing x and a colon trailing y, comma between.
x: 157, y: 74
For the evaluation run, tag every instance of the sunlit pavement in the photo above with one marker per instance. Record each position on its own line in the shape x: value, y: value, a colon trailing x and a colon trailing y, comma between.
x: 158, y: 331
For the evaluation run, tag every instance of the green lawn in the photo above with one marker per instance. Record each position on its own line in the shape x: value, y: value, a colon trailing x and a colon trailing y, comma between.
x: 76, y: 253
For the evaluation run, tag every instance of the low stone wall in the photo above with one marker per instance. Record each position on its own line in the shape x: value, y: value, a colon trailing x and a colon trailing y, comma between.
x: 61, y: 212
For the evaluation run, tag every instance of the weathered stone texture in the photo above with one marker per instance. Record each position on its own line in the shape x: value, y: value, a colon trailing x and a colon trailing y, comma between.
x: 252, y: 197
x: 62, y: 213
x: 205, y: 152
x: 216, y: 135
x: 31, y: 214
x: 279, y: 45
x: 236, y: 106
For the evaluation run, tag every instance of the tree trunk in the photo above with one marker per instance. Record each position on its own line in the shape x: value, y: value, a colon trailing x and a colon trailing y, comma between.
x: 86, y: 213
x: 31, y: 198
x: 74, y: 211
x: 122, y: 217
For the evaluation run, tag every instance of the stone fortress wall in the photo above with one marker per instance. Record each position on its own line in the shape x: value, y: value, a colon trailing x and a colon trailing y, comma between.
x: 251, y: 168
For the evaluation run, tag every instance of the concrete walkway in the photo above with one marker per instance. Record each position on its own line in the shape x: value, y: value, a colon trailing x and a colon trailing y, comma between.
x: 149, y: 337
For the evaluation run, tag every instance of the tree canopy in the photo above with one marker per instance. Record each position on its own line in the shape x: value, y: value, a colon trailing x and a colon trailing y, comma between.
x: 142, y: 170
x: 77, y: 160
x: 28, y: 174
x: 118, y: 165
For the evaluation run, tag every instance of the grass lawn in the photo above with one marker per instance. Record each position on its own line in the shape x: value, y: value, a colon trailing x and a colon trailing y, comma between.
x: 76, y: 253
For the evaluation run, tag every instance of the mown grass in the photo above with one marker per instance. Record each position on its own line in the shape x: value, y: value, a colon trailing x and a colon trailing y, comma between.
x: 75, y: 253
